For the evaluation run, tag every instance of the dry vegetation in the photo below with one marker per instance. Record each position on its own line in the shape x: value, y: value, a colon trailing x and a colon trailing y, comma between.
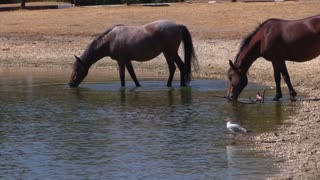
x: 206, y: 21
x: 49, y: 38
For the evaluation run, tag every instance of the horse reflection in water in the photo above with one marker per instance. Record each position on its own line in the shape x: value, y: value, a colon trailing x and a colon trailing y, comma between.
x: 276, y: 40
x: 141, y: 43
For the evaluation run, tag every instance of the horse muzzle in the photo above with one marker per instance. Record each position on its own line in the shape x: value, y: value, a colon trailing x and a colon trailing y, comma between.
x: 231, y: 96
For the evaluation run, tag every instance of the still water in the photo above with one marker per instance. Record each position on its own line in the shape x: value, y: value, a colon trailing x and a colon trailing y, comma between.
x: 102, y: 131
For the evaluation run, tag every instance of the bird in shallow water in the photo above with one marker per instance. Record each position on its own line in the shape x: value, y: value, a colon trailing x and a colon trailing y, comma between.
x: 235, y: 128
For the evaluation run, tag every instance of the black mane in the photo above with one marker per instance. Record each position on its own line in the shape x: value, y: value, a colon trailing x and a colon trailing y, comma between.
x: 88, y: 56
x: 248, y: 38
x: 98, y: 38
x: 97, y: 41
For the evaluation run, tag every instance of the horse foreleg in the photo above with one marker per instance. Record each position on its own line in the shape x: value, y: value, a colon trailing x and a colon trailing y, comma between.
x: 132, y: 73
x: 286, y: 78
x: 122, y: 74
x: 277, y: 79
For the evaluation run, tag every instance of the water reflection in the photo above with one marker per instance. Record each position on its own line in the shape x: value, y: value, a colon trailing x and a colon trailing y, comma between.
x: 260, y: 116
x: 49, y: 131
x: 136, y: 95
x: 236, y: 164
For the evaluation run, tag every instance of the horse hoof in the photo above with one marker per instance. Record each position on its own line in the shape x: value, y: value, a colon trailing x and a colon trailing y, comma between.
x: 293, y: 94
x: 276, y: 98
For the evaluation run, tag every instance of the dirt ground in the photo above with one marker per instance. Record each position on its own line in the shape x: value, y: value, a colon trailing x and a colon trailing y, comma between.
x: 49, y: 39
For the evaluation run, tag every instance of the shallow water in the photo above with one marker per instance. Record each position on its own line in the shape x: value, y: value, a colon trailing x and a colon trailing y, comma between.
x: 102, y: 131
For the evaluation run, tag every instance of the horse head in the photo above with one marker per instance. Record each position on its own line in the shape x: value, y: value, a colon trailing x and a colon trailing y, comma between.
x: 237, y: 81
x: 79, y: 72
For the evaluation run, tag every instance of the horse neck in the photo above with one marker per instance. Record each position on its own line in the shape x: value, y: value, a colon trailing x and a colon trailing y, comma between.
x: 247, y: 56
x: 97, y: 49
x: 87, y: 59
x: 92, y: 54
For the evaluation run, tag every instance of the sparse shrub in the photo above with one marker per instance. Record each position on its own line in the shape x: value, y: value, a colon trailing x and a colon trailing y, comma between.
x: 95, y: 2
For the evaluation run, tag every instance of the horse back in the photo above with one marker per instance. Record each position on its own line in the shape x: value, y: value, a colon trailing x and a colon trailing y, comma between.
x: 302, y: 39
x: 315, y: 24
x: 142, y: 43
x: 296, y: 40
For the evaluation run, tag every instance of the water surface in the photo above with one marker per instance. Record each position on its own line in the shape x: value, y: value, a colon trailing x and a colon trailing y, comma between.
x: 102, y: 131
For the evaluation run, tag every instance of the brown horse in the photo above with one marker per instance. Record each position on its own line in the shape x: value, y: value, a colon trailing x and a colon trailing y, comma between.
x: 276, y: 40
x: 140, y: 43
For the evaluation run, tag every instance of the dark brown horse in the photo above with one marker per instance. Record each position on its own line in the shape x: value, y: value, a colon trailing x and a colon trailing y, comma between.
x: 141, y: 43
x: 276, y: 40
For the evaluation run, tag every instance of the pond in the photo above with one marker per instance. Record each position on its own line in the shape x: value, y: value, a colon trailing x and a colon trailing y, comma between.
x: 102, y: 131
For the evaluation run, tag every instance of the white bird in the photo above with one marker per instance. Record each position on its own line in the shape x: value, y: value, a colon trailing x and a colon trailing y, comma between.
x: 235, y: 128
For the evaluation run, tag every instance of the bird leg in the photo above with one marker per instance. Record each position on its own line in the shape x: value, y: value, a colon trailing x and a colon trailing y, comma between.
x: 233, y: 139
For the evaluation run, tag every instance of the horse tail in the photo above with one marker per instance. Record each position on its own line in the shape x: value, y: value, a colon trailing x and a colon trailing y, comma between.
x: 190, y: 57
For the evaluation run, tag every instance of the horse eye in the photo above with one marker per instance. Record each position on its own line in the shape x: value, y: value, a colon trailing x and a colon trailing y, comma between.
x: 230, y: 77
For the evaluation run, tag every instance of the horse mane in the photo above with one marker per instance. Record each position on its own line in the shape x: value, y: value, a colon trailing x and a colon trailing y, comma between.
x: 106, y: 32
x: 97, y: 42
x: 248, y: 38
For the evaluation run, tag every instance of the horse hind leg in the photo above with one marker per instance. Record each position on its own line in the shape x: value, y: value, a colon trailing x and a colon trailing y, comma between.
x: 172, y: 70
x: 122, y: 73
x: 277, y: 79
x: 171, y: 59
x: 181, y: 65
x: 132, y: 73
x: 286, y: 78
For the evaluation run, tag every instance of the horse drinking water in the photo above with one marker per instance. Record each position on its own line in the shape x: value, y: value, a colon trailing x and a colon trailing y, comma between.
x: 141, y: 43
x: 276, y: 40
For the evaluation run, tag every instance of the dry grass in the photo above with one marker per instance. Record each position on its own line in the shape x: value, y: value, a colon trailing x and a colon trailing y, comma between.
x: 206, y: 21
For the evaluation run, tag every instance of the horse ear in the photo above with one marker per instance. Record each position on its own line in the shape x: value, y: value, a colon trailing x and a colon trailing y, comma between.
x: 232, y: 65
x: 77, y: 58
